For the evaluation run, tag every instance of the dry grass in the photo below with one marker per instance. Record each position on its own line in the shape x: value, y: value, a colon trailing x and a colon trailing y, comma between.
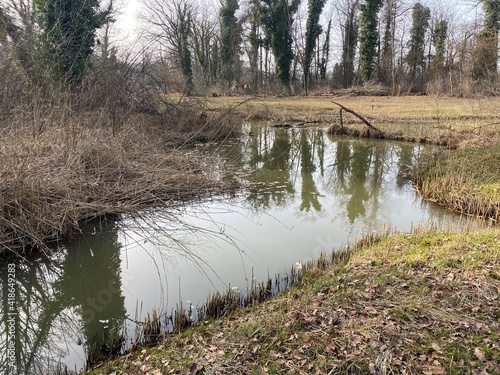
x: 467, y: 181
x: 459, y: 121
x: 53, y: 180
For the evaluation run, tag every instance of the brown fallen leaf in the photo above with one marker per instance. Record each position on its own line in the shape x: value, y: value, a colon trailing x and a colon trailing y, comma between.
x: 479, y: 354
x: 191, y: 369
x: 434, y: 370
x: 436, y: 348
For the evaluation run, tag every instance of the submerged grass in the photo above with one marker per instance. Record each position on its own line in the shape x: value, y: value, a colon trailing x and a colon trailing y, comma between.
x: 410, y: 303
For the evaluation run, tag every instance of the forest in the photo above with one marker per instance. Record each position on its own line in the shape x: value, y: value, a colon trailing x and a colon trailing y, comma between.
x: 269, y: 47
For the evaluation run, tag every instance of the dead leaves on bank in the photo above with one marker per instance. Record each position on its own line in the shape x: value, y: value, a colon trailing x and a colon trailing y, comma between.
x: 360, y: 319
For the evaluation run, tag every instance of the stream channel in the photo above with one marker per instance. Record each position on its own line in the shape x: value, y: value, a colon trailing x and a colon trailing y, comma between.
x: 304, y: 193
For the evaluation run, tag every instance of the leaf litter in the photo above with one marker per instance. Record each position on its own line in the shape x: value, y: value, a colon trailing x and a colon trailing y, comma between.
x: 384, y: 312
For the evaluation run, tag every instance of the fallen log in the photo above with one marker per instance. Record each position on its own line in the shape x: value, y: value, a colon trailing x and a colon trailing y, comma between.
x: 372, y: 131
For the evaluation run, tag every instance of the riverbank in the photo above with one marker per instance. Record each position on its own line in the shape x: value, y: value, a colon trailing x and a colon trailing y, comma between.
x: 82, y: 167
x: 420, y: 303
x: 454, y: 122
x: 66, y: 168
x: 423, y: 303
x: 466, y: 180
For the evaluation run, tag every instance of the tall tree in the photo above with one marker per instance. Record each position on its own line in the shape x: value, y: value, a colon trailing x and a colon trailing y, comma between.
x: 368, y: 37
x: 171, y: 28
x: 69, y: 34
x: 439, y: 35
x: 278, y: 17
x: 230, y: 41
x: 325, y: 53
x: 386, y: 66
x: 349, y: 41
x: 255, y: 42
x: 205, y: 47
x: 487, y: 54
x: 313, y: 31
x: 185, y: 16
x: 416, y: 54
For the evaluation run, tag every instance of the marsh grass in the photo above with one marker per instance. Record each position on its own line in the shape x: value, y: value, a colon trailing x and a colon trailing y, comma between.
x: 66, y: 167
x: 466, y: 181
x: 452, y: 122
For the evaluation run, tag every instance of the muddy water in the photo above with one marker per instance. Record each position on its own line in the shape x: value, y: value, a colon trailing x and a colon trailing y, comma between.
x: 304, y: 193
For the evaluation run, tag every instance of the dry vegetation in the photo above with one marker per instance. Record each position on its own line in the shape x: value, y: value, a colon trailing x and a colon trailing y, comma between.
x: 78, y: 167
x: 425, y: 303
x: 467, y: 180
x: 459, y: 121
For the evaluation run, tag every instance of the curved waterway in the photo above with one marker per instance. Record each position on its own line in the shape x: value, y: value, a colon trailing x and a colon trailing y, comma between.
x: 304, y: 193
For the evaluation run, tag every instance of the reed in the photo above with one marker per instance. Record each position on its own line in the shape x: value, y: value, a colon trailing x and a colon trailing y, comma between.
x: 219, y: 305
x: 465, y: 181
x: 63, y: 168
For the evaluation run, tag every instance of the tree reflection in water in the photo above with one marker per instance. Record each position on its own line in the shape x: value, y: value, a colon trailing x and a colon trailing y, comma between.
x: 74, y: 297
x: 68, y: 299
x: 283, y: 162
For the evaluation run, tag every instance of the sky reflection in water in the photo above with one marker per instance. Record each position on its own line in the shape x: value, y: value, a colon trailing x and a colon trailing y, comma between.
x: 306, y: 193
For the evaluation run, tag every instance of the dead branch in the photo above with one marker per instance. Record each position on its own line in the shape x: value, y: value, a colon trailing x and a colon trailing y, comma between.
x: 359, y: 116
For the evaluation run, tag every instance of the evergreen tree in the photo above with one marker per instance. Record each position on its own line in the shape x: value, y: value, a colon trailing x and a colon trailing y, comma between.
x: 386, y: 66
x: 368, y: 37
x: 185, y: 17
x: 230, y: 41
x: 487, y: 54
x: 278, y: 17
x: 349, y: 42
x: 255, y: 42
x: 491, y: 10
x: 313, y: 31
x: 69, y: 35
x: 439, y: 42
x: 325, y: 53
x: 415, y: 57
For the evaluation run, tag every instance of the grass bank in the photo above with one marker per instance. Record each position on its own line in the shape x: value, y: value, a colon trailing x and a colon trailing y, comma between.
x: 81, y: 166
x: 454, y: 122
x: 425, y: 303
x: 466, y: 180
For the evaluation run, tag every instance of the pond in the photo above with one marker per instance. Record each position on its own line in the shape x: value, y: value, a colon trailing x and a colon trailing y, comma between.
x: 304, y: 193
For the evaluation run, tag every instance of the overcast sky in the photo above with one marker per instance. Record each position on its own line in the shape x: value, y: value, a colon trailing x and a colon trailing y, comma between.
x: 127, y: 26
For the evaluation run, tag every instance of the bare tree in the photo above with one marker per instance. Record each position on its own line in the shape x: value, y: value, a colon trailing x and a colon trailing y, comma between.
x: 168, y: 24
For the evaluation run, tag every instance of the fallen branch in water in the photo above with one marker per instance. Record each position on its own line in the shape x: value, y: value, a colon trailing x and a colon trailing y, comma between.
x: 374, y: 132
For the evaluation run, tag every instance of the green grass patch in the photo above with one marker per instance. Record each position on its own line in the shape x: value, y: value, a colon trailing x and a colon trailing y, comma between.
x: 419, y: 303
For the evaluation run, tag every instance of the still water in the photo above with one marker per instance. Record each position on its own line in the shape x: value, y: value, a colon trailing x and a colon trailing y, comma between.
x: 303, y: 193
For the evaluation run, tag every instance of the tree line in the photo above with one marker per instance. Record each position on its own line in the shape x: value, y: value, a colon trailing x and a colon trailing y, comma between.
x: 261, y: 46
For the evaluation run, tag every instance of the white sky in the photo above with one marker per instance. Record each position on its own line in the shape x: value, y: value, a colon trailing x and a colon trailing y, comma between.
x: 127, y: 26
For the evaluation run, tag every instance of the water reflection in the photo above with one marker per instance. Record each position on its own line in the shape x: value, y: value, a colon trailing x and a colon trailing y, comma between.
x: 70, y: 304
x: 360, y: 173
x: 305, y: 193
